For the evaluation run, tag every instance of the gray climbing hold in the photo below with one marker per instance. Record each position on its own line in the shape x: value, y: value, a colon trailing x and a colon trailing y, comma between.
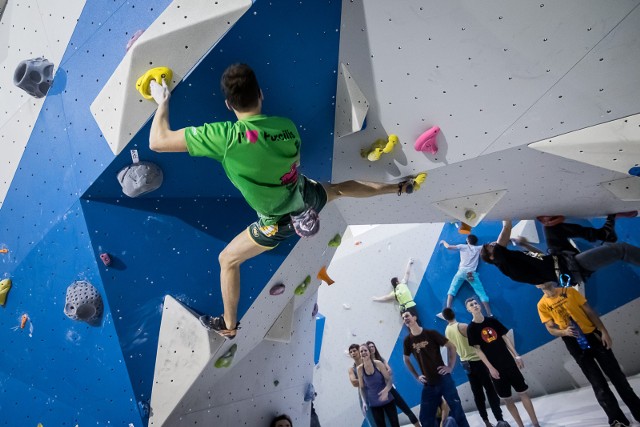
x: 34, y: 76
x: 83, y: 302
x: 140, y: 178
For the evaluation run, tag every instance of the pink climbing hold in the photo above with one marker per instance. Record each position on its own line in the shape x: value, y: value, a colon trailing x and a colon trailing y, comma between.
x: 427, y: 141
x: 133, y: 38
x: 277, y: 289
x: 106, y: 259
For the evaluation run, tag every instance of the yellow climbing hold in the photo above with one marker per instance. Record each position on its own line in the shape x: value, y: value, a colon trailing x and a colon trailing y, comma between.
x: 419, y: 180
x: 379, y: 147
x: 157, y: 74
x: 5, y: 285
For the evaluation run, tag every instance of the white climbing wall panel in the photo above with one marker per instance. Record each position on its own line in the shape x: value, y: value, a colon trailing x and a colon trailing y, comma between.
x: 184, y: 349
x: 28, y: 29
x: 177, y: 39
x: 494, y: 77
x: 613, y: 145
x: 471, y: 209
x: 526, y: 229
x: 627, y: 189
x: 351, y: 104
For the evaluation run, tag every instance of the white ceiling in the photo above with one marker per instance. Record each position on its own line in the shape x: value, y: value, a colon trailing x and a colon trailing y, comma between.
x: 495, y: 77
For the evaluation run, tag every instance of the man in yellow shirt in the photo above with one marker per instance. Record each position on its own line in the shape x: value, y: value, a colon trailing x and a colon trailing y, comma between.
x: 477, y: 373
x: 566, y: 314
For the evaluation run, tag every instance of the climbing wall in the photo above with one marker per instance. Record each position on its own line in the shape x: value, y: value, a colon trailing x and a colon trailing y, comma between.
x: 485, y: 74
x: 64, y: 208
x: 494, y: 82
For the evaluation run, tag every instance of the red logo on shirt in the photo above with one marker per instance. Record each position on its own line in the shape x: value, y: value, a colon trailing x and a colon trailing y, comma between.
x: 252, y: 136
x: 488, y: 334
x: 291, y: 176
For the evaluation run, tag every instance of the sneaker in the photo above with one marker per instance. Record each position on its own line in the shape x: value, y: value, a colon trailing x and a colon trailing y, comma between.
x: 502, y: 423
x: 608, y: 230
x: 217, y: 324
x: 619, y: 424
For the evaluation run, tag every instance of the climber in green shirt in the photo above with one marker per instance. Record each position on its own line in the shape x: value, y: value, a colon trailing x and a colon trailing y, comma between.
x: 401, y: 293
x: 261, y: 155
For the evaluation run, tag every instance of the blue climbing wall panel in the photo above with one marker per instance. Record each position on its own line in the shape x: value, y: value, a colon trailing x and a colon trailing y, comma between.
x: 65, y: 207
x: 607, y: 290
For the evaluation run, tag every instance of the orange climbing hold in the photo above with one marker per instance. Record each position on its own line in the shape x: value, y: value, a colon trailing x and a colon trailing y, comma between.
x: 4, y: 251
x: 23, y: 322
x: 464, y: 228
x: 322, y: 275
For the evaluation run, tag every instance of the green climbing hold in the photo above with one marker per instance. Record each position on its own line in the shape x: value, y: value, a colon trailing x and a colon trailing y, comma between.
x: 302, y: 287
x: 335, y: 242
x: 225, y: 360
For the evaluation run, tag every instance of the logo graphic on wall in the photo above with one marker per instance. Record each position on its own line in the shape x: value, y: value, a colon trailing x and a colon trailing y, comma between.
x: 489, y: 334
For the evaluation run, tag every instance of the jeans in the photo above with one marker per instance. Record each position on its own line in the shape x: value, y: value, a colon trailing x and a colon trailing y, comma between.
x: 593, y: 362
x: 596, y: 258
x: 432, y: 395
x: 479, y: 379
x: 557, y: 236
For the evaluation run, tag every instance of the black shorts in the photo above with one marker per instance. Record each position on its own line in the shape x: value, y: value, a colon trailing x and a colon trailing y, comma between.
x: 270, y: 236
x: 509, y: 377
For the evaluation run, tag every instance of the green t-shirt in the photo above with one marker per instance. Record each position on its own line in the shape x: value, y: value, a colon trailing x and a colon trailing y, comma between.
x: 403, y: 295
x: 466, y: 352
x: 260, y: 155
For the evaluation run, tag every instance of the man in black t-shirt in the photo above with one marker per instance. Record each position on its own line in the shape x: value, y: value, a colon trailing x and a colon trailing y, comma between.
x: 537, y: 268
x: 425, y: 345
x: 495, y: 349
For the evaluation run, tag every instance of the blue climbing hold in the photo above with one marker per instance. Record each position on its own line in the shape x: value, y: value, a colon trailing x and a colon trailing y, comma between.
x: 635, y: 171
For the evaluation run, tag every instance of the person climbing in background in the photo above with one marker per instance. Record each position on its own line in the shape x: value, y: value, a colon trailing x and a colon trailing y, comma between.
x: 557, y: 233
x: 497, y: 352
x: 566, y: 314
x: 401, y: 293
x: 435, y: 376
x: 375, y: 384
x: 536, y: 268
x: 283, y: 420
x: 477, y: 372
x: 285, y: 201
x: 400, y: 403
x: 469, y: 256
x: 354, y: 353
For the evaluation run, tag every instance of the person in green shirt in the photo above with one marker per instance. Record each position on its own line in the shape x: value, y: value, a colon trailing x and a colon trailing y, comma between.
x: 401, y: 293
x: 260, y: 155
